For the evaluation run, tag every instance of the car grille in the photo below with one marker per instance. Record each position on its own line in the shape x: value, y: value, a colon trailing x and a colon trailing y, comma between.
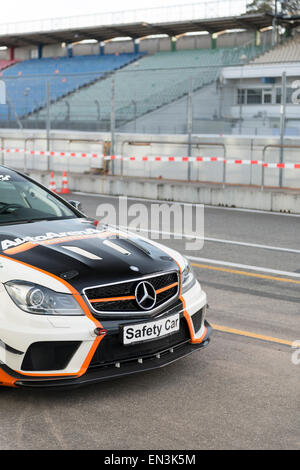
x: 197, y: 320
x: 120, y: 298
x: 112, y: 350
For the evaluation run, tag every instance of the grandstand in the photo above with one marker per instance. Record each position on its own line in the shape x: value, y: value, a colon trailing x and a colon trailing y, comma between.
x: 146, y: 85
x: 132, y: 70
x: 26, y: 81
x: 289, y: 51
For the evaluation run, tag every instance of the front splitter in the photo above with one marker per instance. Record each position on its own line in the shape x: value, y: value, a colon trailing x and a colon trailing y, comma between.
x: 110, y: 371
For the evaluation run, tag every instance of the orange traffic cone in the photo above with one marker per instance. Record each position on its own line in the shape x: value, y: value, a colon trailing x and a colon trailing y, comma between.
x: 65, y: 184
x: 52, y: 185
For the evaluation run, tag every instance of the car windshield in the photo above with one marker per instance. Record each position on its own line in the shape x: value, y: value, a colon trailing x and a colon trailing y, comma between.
x: 22, y: 201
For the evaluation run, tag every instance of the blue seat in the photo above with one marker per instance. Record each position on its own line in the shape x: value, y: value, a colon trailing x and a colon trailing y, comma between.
x: 26, y: 81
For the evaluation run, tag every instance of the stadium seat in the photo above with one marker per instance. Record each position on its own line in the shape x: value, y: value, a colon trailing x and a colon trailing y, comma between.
x: 149, y: 83
x: 289, y: 51
x: 26, y: 81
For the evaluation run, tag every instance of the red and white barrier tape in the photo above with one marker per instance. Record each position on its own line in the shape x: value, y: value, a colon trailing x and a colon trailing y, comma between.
x: 205, y: 160
x: 50, y: 153
x: 291, y: 166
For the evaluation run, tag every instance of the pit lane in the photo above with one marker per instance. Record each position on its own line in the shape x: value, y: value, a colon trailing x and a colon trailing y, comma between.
x: 240, y: 392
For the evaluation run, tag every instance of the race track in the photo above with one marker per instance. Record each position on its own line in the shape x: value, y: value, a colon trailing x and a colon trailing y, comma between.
x: 242, y: 392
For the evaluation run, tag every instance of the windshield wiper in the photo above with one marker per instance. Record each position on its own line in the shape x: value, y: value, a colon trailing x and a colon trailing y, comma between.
x: 30, y: 221
x: 17, y: 222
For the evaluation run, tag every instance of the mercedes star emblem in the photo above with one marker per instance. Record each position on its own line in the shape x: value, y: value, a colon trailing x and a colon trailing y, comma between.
x: 145, y: 295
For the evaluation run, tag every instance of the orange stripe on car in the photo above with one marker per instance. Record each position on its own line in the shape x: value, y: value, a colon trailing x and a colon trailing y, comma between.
x: 163, y: 289
x: 130, y: 297
x: 87, y: 312
x: 186, y: 315
x: 19, y: 249
x: 6, y: 379
x: 54, y: 241
x: 112, y: 299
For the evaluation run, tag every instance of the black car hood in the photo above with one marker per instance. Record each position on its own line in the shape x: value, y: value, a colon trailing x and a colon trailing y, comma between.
x: 47, y: 245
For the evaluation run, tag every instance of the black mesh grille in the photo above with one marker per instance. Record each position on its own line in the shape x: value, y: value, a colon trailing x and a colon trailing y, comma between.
x: 197, y: 320
x: 127, y: 289
x: 112, y: 350
x: 164, y: 296
x: 49, y: 355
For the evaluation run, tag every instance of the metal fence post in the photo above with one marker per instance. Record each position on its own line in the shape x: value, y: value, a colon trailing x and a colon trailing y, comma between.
x: 224, y: 173
x: 282, y: 126
x: 262, y: 178
x: 224, y: 166
x: 48, y: 123
x: 263, y: 169
x: 190, y: 126
x: 112, y: 124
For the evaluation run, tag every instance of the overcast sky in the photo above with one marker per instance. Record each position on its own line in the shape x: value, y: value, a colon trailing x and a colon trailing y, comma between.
x: 22, y: 10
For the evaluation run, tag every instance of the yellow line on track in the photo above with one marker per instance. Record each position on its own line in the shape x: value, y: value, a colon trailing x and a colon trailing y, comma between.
x: 245, y: 273
x: 249, y: 334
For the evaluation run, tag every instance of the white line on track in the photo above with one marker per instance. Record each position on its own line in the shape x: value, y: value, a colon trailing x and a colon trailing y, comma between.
x: 252, y: 245
x: 229, y: 264
x: 243, y: 266
x: 216, y: 240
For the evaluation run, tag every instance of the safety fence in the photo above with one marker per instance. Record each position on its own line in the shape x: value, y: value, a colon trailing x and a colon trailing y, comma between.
x: 104, y: 160
x: 291, y: 166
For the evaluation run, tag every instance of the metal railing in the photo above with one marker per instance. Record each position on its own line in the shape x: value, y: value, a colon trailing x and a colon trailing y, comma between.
x: 225, y: 170
x: 281, y: 170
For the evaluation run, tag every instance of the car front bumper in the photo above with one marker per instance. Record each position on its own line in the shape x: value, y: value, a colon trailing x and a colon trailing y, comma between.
x: 110, y: 359
x: 101, y: 374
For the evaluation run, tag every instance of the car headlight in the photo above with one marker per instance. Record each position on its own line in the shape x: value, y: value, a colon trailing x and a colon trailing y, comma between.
x: 40, y: 300
x: 188, y: 277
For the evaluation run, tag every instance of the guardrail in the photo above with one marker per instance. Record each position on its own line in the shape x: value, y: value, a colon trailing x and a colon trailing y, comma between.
x: 65, y: 143
x: 281, y: 166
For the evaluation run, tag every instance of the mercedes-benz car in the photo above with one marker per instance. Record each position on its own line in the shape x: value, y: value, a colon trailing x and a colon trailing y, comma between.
x: 82, y: 302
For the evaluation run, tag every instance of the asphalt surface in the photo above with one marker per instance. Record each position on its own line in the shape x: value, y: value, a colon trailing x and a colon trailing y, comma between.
x: 242, y: 392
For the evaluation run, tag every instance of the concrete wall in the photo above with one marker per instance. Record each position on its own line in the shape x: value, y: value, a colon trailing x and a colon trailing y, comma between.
x: 86, y: 142
x: 247, y: 148
x: 246, y: 198
x: 244, y: 148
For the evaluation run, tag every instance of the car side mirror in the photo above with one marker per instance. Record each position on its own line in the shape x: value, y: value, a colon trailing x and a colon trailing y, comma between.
x: 76, y: 204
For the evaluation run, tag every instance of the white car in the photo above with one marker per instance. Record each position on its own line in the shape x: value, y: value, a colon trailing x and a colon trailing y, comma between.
x: 81, y: 302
